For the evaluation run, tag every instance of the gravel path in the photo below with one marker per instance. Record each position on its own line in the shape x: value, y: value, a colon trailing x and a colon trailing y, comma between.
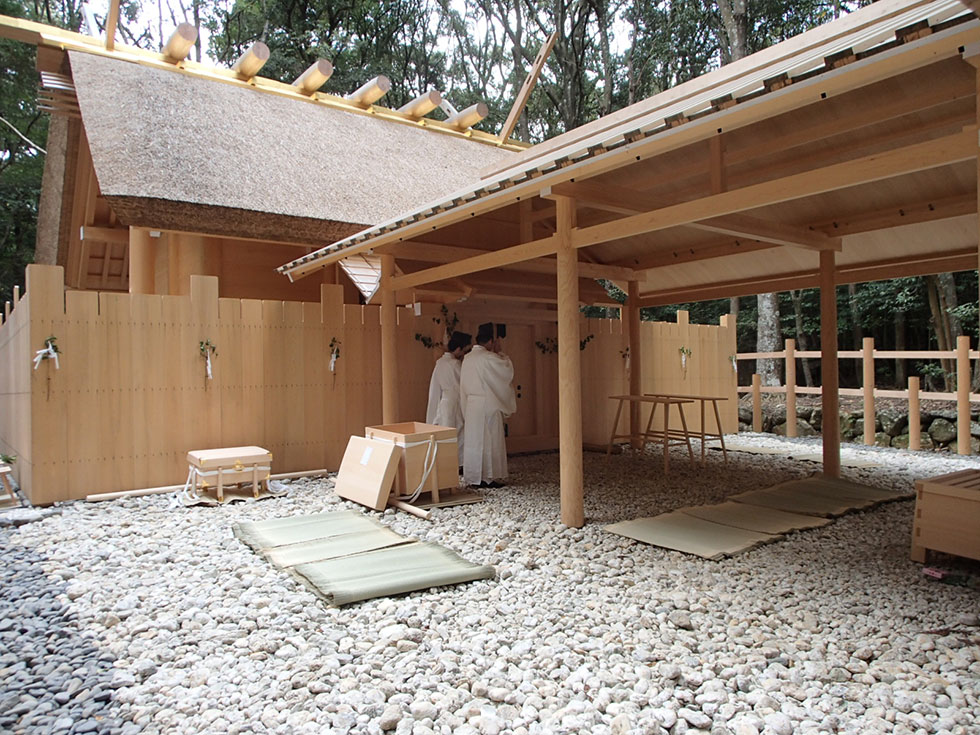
x: 133, y: 616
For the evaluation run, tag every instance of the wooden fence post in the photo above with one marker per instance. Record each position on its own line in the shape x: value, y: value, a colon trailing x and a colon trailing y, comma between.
x: 791, y: 388
x: 915, y: 418
x: 963, y: 394
x: 756, y: 402
x: 868, y: 359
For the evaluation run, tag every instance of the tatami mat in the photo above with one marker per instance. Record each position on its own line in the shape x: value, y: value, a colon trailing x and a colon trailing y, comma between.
x: 754, y: 517
x: 346, y: 556
x: 682, y: 532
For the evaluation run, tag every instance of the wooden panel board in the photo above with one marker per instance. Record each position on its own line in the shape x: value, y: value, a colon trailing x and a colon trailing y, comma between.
x: 367, y: 472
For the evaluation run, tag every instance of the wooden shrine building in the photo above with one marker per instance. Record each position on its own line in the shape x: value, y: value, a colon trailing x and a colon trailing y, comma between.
x: 845, y: 154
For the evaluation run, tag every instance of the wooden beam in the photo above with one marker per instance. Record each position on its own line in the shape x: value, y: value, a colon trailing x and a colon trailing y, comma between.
x: 93, y: 233
x: 525, y: 92
x: 111, y: 21
x: 490, y: 259
x: 714, y: 249
x: 896, y: 216
x: 777, y: 233
x: 830, y: 372
x: 389, y: 342
x: 370, y: 92
x: 569, y: 371
x: 437, y: 253
x: 469, y: 117
x: 421, y: 105
x: 315, y: 76
x: 628, y: 201
x: 251, y: 62
x: 868, y: 169
x: 180, y: 43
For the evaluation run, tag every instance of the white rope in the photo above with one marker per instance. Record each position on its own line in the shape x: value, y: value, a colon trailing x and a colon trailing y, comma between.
x: 430, y: 460
x: 49, y: 352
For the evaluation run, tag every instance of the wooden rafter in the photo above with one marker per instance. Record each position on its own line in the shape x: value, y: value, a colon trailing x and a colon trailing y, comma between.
x: 434, y: 253
x: 621, y: 200
x: 868, y: 169
x: 525, y: 92
x: 112, y: 19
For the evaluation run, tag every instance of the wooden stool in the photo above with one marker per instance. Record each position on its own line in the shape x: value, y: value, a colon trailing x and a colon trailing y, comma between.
x: 231, y: 466
x: 947, y: 515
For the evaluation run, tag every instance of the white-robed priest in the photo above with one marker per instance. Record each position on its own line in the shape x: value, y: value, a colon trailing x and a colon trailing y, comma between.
x: 487, y: 397
x: 444, y: 407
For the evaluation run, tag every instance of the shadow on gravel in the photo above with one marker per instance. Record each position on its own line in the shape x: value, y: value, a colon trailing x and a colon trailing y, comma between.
x: 52, y: 677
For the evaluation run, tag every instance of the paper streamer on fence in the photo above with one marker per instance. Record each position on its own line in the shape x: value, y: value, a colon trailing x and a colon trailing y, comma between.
x: 207, y: 364
x: 49, y: 352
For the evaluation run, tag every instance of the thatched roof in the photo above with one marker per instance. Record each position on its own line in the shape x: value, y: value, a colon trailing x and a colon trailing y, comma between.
x: 221, y: 156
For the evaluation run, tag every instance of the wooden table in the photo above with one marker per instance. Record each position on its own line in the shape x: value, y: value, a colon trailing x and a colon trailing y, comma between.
x: 666, y: 435
x: 703, y: 433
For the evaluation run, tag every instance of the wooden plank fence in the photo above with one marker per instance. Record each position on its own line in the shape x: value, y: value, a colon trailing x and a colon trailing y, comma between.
x: 131, y: 397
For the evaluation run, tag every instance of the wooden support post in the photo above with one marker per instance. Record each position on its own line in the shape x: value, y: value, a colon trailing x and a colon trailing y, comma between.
x: 963, y: 394
x: 915, y: 416
x: 389, y: 341
x: 632, y: 311
x: 756, y: 403
x: 868, y: 368
x: 791, y: 388
x: 829, y: 369
x: 16, y: 295
x: 569, y: 370
x: 142, y: 261
x: 111, y: 21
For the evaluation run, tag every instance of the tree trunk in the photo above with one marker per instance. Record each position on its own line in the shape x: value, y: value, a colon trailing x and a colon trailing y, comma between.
x: 735, y: 19
x: 802, y: 342
x: 940, y: 326
x: 767, y: 338
x: 901, y: 375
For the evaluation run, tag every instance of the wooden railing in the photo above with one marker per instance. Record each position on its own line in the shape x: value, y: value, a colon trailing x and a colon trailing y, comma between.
x: 962, y: 356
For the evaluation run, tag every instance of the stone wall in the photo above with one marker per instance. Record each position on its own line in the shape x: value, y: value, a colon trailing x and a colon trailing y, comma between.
x: 891, y: 427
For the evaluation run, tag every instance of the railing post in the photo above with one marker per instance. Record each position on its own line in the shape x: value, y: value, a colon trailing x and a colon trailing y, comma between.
x: 868, y: 359
x: 963, y: 394
x: 756, y: 402
x: 790, y: 388
x: 915, y: 417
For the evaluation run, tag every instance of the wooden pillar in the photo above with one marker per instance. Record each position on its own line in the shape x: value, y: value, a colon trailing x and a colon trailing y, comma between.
x: 963, y: 394
x: 569, y: 370
x: 791, y: 388
x: 389, y: 341
x: 756, y: 403
x: 829, y: 370
x: 915, y: 415
x: 868, y: 371
x: 632, y: 311
x: 142, y: 261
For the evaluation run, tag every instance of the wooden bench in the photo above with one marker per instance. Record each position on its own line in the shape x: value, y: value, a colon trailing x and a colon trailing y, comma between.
x: 229, y: 466
x: 947, y: 515
x: 666, y: 435
x: 703, y: 434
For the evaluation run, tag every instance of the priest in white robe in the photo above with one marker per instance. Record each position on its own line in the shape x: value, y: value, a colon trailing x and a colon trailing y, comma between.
x: 444, y: 408
x: 488, y: 398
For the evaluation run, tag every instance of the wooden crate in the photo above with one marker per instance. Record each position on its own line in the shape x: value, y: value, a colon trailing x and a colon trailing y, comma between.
x: 413, y: 439
x: 947, y: 515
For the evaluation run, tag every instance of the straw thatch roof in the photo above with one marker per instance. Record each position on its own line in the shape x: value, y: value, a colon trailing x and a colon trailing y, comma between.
x: 175, y: 151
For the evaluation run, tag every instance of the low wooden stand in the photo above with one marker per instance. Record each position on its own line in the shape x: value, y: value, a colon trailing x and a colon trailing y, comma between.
x: 230, y: 466
x: 666, y: 436
x: 8, y: 498
x: 947, y: 515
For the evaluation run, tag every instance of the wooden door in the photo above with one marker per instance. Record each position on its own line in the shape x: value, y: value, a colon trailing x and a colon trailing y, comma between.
x: 519, y: 346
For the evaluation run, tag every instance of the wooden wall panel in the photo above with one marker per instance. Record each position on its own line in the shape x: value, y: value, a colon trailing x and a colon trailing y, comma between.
x: 15, y: 389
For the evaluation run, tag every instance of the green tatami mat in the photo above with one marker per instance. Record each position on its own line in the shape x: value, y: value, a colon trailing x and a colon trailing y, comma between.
x: 334, y: 547
x: 682, y: 532
x: 391, y: 571
x: 754, y: 517
x: 274, y: 532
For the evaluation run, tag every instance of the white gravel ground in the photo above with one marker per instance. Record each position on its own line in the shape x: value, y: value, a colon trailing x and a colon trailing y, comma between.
x: 831, y: 630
